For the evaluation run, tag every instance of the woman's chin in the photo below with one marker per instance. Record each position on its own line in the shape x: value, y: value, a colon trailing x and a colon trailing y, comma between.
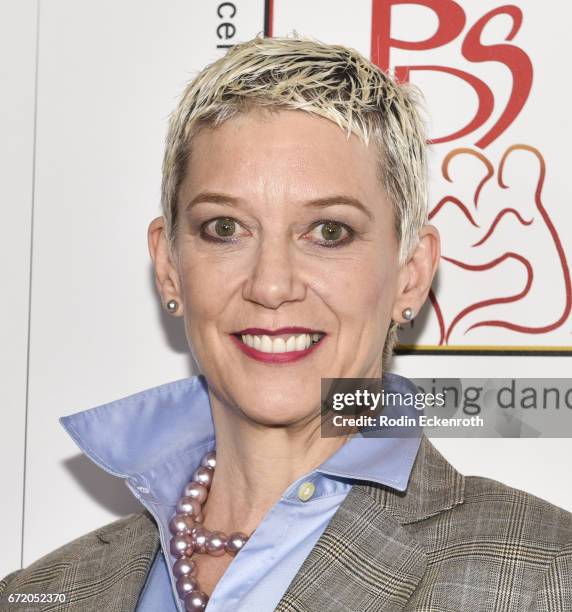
x: 278, y: 416
x: 273, y: 400
x: 283, y: 410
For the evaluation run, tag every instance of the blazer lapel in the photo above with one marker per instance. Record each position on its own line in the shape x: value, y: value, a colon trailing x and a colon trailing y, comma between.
x: 109, y: 567
x: 366, y: 559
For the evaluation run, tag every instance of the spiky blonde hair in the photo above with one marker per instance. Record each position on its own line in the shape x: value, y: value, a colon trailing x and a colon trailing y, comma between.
x: 330, y: 81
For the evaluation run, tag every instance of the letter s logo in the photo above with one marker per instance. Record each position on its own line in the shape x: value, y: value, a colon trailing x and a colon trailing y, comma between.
x: 515, y: 59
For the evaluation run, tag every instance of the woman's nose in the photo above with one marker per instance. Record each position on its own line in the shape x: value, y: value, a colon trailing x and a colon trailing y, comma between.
x: 274, y: 276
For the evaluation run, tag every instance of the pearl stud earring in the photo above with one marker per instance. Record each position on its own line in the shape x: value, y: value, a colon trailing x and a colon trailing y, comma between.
x: 172, y: 306
x: 407, y: 314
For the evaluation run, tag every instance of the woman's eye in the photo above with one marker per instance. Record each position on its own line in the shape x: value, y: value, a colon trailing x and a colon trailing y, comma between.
x: 220, y: 228
x: 331, y: 233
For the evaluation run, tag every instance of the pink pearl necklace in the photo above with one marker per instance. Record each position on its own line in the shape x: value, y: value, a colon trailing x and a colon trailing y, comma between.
x: 190, y: 536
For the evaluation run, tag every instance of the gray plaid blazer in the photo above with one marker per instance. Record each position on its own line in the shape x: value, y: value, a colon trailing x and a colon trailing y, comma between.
x: 448, y: 544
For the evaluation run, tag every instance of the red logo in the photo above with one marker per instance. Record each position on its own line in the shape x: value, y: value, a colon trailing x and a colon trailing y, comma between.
x: 452, y: 21
x: 495, y: 226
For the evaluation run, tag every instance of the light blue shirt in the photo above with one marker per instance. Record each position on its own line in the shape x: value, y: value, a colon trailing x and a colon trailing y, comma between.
x: 156, y: 438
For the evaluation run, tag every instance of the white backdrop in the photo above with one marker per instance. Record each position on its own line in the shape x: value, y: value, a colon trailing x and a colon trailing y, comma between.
x: 86, y: 89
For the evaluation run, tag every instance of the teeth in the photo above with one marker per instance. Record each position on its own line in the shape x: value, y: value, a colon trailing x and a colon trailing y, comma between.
x: 278, y: 345
x: 291, y: 344
x: 266, y: 344
x: 302, y: 342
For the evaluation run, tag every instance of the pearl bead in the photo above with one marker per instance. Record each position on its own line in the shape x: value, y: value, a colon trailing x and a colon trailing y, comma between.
x: 181, y: 545
x: 209, y: 460
x: 235, y: 542
x: 199, y: 536
x: 186, y: 584
x: 196, y: 491
x: 203, y: 475
x: 215, y: 544
x: 188, y: 505
x: 181, y: 523
x: 184, y: 567
x: 196, y: 601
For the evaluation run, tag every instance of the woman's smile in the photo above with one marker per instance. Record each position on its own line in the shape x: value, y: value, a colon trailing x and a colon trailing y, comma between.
x: 283, y: 345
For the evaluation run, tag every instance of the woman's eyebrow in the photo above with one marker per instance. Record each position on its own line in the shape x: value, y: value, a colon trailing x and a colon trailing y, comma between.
x: 332, y: 200
x: 213, y: 198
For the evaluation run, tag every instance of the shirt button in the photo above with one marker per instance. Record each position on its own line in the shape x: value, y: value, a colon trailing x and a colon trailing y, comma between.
x: 306, y: 490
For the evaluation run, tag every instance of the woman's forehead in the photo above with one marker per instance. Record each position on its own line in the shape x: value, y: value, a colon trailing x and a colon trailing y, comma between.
x: 286, y: 151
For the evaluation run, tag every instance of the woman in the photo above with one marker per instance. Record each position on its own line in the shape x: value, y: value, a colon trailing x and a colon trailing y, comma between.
x: 293, y: 241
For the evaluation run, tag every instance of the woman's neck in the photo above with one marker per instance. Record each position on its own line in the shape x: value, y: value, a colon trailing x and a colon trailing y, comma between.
x: 256, y: 464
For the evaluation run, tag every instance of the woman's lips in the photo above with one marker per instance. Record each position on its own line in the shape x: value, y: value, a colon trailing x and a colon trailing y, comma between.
x: 282, y: 357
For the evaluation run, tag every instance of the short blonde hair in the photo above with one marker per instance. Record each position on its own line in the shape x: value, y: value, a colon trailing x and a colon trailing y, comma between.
x: 330, y: 81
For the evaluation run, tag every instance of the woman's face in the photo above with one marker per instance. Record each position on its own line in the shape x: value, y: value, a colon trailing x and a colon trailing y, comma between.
x: 284, y: 224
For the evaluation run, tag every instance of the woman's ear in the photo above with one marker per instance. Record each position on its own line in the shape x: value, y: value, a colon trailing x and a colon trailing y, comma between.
x: 416, y: 275
x: 166, y: 275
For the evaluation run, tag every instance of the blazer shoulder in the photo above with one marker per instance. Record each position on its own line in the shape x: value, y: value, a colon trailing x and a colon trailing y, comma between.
x: 47, y: 568
x: 536, y: 517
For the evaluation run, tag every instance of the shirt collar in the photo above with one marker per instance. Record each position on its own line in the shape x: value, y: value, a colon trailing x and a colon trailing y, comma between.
x: 147, y: 434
